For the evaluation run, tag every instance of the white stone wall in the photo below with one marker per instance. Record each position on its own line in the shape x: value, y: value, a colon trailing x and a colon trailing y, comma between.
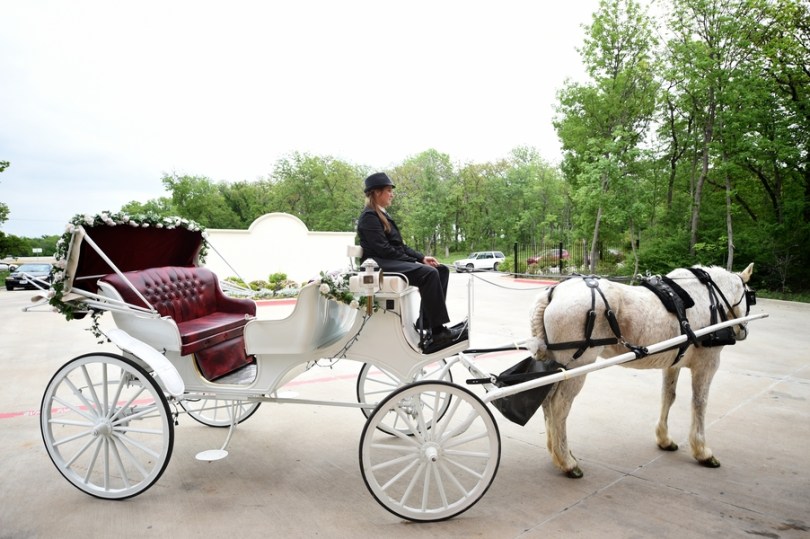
x: 276, y: 243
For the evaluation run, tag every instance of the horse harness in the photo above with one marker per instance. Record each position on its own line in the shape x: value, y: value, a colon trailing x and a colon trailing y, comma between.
x: 590, y: 319
x: 675, y: 299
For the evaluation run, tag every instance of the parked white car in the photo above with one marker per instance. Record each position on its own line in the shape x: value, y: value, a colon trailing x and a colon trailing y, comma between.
x: 481, y: 260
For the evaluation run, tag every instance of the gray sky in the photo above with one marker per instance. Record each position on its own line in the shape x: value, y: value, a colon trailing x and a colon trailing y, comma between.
x: 99, y: 99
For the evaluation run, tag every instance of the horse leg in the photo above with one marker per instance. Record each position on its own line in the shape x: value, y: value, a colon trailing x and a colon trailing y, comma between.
x: 670, y: 383
x: 701, y: 380
x: 555, y: 410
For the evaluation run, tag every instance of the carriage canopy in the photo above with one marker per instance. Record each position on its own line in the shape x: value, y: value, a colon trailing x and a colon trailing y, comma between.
x: 95, y: 249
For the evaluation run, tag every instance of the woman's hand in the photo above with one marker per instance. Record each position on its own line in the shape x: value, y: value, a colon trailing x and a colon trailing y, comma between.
x: 430, y: 261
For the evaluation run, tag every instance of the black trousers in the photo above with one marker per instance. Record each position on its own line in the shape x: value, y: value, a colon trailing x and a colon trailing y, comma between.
x: 432, y: 284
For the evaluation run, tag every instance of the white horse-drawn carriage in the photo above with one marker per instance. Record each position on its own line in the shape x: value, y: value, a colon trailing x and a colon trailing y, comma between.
x: 430, y: 448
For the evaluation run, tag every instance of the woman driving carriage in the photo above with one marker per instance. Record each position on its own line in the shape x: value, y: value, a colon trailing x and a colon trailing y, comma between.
x: 381, y: 240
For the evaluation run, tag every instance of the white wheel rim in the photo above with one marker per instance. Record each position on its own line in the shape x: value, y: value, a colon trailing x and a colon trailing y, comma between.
x: 444, y: 467
x: 106, y: 426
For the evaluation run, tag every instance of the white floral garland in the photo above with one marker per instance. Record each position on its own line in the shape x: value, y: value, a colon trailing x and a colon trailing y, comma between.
x: 76, y: 310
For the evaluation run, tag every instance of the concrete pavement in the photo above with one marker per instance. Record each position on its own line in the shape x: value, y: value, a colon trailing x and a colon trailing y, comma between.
x: 293, y: 470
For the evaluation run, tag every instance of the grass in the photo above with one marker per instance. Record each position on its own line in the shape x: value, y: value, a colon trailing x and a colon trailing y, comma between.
x: 801, y: 297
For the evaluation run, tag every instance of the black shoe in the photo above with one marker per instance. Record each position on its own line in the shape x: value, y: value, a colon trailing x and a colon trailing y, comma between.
x: 440, y: 338
x: 461, y: 327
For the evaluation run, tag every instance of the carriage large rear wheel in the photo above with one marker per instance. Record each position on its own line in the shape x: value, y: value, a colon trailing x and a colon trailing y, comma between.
x: 445, y: 465
x: 375, y: 383
x: 106, y: 426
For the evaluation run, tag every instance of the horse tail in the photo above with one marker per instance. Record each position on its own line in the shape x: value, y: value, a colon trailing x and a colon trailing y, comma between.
x: 537, y: 344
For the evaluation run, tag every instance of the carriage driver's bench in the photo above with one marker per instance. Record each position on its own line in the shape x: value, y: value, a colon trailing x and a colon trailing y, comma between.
x: 196, y: 316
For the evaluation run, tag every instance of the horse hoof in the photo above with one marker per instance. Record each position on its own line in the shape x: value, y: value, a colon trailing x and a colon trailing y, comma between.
x: 671, y: 447
x: 574, y: 473
x: 710, y: 462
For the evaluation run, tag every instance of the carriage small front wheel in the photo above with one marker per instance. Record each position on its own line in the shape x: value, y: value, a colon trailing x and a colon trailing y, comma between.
x: 218, y: 412
x: 447, y: 462
x: 106, y: 426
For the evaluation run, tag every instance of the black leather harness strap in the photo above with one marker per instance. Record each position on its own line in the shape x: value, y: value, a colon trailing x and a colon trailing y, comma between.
x: 676, y: 300
x: 590, y: 321
x: 721, y: 337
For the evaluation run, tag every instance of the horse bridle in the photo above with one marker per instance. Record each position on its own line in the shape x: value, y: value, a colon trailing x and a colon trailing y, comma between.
x: 714, y: 291
x: 750, y: 296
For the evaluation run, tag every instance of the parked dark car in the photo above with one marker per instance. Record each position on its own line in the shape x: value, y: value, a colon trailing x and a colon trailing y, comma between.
x: 31, y: 276
x: 549, y: 256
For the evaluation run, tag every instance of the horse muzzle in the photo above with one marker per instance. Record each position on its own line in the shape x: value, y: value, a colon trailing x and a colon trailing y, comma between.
x: 740, y: 332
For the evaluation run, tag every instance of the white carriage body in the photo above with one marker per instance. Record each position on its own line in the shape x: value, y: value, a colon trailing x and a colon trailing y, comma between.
x: 317, y: 328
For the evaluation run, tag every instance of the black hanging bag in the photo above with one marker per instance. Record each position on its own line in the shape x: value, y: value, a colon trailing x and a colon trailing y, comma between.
x: 520, y: 407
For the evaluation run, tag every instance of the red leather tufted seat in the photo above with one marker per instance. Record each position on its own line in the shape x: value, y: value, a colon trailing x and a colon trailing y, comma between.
x: 206, y: 318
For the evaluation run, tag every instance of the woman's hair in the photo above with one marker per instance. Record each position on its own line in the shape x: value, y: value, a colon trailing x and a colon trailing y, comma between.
x: 371, y: 202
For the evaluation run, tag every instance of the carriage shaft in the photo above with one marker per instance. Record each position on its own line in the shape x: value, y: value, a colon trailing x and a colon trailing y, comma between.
x: 615, y: 360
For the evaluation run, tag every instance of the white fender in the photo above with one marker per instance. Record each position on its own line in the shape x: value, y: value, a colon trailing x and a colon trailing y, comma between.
x: 162, y: 367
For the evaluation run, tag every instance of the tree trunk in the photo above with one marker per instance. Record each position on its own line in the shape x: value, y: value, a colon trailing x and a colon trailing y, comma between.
x: 729, y: 226
x: 708, y: 132
x: 595, y: 241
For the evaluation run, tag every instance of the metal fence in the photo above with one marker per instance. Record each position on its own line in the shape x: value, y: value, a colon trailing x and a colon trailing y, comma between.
x: 561, y: 258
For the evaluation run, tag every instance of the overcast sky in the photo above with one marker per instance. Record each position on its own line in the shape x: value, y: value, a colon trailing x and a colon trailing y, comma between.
x: 99, y: 99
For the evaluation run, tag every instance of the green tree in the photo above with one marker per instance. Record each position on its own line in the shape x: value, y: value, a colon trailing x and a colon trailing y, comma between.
x: 424, y: 185
x: 480, y: 212
x: 160, y: 206
x: 249, y: 200
x: 4, y: 211
x: 603, y: 124
x: 324, y: 192
x: 200, y: 199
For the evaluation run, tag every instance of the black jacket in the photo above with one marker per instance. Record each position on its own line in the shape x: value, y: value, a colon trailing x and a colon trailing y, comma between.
x: 387, y: 249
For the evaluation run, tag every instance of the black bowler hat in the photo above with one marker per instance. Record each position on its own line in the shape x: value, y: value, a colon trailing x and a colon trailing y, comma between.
x: 378, y: 179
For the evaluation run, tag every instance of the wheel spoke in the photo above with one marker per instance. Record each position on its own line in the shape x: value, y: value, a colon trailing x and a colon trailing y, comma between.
x: 143, y: 447
x: 96, y: 405
x: 120, y: 464
x: 412, y: 484
x: 411, y: 463
x: 81, y: 450
x: 113, y: 417
x: 132, y: 459
x: 77, y: 409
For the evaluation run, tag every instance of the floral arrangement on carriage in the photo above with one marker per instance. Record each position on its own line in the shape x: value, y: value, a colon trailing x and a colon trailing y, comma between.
x: 74, y: 306
x: 335, y: 286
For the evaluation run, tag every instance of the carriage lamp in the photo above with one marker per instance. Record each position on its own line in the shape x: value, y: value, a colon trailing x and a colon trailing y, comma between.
x: 367, y: 282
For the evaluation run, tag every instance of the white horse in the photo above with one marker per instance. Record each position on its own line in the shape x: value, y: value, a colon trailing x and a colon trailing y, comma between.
x: 559, y: 321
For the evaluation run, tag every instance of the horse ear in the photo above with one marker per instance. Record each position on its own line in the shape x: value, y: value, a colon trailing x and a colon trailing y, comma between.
x: 746, y: 273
